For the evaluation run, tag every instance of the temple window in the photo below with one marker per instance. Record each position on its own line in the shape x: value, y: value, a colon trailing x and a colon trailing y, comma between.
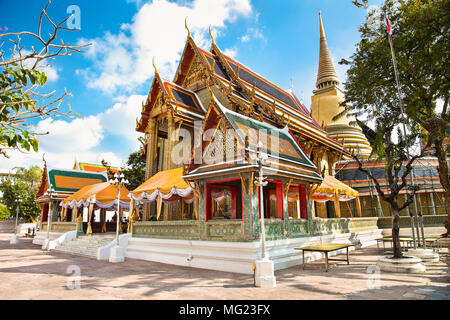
x: 224, y: 199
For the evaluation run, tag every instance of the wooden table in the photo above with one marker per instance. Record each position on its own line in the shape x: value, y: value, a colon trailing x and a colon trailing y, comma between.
x: 326, y: 248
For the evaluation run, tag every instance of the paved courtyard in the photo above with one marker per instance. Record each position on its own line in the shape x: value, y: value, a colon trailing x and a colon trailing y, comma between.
x: 27, y: 272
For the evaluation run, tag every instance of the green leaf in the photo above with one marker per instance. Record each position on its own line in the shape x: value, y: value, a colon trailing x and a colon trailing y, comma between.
x: 35, y: 144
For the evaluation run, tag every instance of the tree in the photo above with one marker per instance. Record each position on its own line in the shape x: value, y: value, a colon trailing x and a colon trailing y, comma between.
x: 20, y: 81
x: 421, y: 41
x: 135, y: 171
x: 109, y: 172
x: 371, y: 92
x: 398, y: 165
x: 24, y: 188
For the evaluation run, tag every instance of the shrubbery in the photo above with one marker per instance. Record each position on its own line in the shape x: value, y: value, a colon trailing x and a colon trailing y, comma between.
x: 4, y: 212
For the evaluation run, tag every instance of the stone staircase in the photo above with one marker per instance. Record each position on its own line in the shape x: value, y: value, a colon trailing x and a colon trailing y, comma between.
x: 84, y: 245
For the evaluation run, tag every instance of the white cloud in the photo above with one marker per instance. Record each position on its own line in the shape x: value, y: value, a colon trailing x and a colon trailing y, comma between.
x: 245, y: 38
x: 253, y: 34
x: 120, y: 119
x: 81, y: 134
x: 124, y: 60
x: 231, y: 52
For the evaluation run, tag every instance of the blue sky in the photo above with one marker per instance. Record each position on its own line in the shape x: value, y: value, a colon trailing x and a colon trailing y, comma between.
x: 277, y: 39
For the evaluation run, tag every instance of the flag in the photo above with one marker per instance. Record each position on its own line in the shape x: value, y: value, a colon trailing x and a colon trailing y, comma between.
x: 389, y: 29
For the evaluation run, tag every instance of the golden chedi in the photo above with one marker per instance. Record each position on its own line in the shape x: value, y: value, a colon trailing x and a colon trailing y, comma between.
x: 325, y: 104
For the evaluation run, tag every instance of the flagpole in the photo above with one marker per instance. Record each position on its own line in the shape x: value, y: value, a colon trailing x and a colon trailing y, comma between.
x: 397, y: 79
x: 399, y: 92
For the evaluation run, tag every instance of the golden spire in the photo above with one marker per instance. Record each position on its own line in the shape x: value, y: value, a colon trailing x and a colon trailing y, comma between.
x: 210, y: 34
x: 186, y: 26
x: 153, y: 62
x: 327, y: 74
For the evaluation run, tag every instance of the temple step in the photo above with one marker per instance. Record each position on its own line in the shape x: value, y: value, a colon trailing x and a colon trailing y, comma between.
x: 85, y: 246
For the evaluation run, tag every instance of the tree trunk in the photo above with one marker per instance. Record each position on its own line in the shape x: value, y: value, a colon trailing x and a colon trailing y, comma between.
x: 443, y: 176
x: 396, y: 232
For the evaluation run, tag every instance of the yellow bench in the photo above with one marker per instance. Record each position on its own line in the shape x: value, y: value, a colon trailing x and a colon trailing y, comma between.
x: 389, y: 239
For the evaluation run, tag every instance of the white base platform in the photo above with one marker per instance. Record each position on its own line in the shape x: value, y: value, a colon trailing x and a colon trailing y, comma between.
x: 40, y: 237
x: 403, y: 265
x: 427, y: 255
x: 264, y: 276
x: 117, y: 254
x: 14, y: 239
x: 238, y: 257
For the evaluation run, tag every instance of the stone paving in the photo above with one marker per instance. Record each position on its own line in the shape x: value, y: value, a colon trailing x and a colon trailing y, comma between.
x: 27, y: 272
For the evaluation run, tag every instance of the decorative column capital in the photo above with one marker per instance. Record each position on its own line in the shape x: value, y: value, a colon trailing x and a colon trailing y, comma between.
x: 151, y: 125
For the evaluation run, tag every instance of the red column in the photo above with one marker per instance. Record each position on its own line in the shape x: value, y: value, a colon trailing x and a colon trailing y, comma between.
x: 45, y: 213
x: 267, y: 203
x: 207, y: 202
x: 303, y: 202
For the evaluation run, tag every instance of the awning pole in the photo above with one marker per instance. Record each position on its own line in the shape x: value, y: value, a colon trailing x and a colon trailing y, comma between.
x: 158, y: 207
x: 337, y: 206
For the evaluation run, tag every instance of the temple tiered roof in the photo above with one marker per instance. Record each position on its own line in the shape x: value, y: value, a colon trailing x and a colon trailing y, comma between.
x: 66, y: 182
x: 286, y: 158
x: 244, y: 91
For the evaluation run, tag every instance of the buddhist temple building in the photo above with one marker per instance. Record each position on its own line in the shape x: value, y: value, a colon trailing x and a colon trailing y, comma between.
x: 205, y: 131
x: 202, y: 131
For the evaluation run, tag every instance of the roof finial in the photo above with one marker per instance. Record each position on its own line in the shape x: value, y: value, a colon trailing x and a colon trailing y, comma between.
x: 326, y: 74
x: 210, y: 34
x: 43, y: 159
x: 185, y: 25
x: 322, y: 32
x: 292, y: 84
x: 153, y: 62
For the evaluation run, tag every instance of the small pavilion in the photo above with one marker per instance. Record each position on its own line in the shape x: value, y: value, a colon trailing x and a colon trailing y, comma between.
x: 100, y: 196
x: 65, y: 183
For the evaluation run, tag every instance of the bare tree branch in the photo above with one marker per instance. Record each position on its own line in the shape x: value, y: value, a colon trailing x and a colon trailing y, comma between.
x: 20, y: 99
x: 45, y: 52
